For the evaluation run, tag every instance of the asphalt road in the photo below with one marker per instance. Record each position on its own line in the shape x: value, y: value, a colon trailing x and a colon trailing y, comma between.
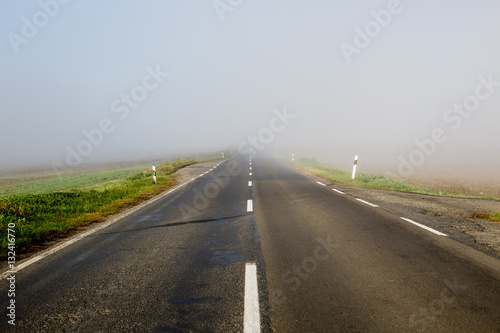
x: 337, y: 264
x: 177, y: 265
x: 258, y: 246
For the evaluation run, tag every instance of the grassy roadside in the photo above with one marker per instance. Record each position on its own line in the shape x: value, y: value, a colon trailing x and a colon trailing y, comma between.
x: 379, y: 182
x: 38, y: 183
x: 487, y: 216
x: 495, y: 217
x: 363, y: 180
x: 41, y: 217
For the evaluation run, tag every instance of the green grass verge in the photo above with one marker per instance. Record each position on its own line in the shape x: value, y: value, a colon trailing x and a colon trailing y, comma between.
x: 40, y: 217
x: 380, y: 182
x: 46, y: 183
x: 363, y: 180
x: 495, y: 217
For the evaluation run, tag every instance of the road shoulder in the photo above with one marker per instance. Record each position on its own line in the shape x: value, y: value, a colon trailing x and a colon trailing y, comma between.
x: 181, y: 176
x: 450, y: 215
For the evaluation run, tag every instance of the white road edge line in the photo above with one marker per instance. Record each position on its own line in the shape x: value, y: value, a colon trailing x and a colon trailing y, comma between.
x: 251, y: 322
x: 366, y: 202
x: 250, y: 206
x: 37, y: 257
x: 321, y: 183
x: 424, y: 227
x: 338, y: 191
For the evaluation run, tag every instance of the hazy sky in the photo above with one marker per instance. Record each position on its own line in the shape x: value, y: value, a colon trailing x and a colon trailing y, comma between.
x: 361, y: 77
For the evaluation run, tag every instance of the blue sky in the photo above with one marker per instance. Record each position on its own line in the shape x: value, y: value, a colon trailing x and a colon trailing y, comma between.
x: 227, y: 76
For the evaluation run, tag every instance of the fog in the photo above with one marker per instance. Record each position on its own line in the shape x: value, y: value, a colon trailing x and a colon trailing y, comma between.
x: 412, y: 87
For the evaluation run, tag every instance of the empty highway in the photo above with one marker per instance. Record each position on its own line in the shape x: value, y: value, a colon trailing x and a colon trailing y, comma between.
x: 253, y: 245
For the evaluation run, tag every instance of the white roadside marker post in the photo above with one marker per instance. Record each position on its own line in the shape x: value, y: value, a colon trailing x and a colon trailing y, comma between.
x: 293, y: 157
x: 222, y: 155
x: 154, y: 174
x: 354, y: 167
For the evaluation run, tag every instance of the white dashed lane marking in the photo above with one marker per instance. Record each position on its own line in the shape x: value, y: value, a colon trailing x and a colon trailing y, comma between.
x: 424, y: 227
x: 251, y: 322
x: 366, y: 202
x: 250, y: 205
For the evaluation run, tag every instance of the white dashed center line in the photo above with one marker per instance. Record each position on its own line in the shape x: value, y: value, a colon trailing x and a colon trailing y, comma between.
x: 321, y: 183
x: 251, y: 323
x: 250, y: 183
x: 338, y: 191
x: 366, y: 202
x: 250, y: 205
